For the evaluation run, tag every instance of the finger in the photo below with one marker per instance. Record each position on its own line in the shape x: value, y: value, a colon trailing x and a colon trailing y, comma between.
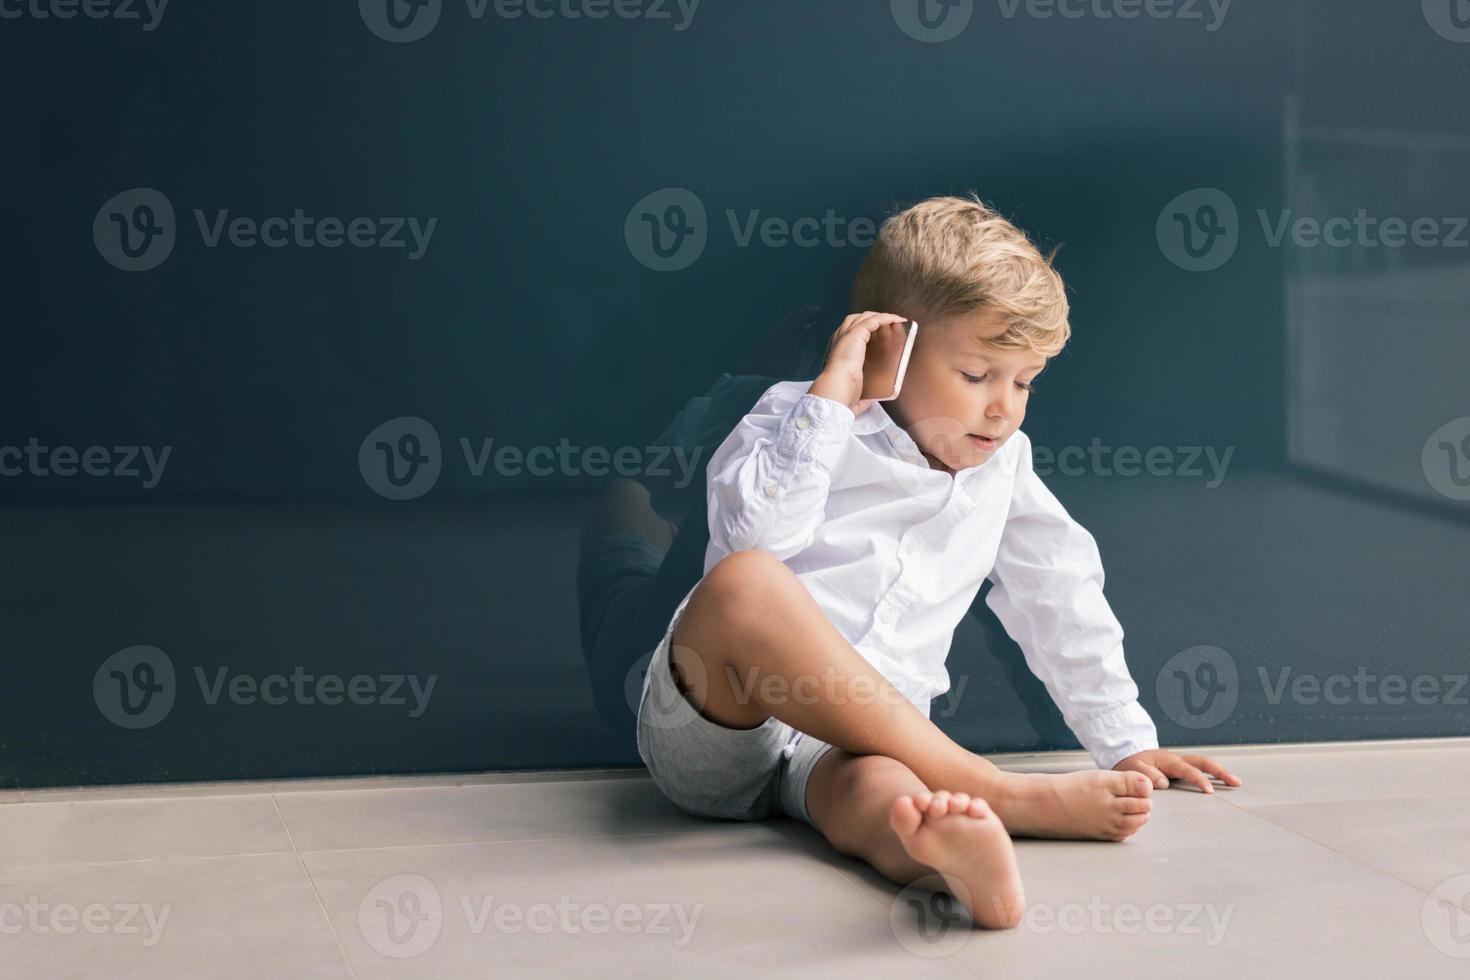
x: 1184, y: 770
x: 1214, y: 768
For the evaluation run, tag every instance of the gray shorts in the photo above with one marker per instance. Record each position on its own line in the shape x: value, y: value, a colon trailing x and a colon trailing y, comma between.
x: 709, y: 770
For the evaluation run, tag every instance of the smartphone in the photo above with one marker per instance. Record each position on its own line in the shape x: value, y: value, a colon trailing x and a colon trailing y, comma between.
x: 887, y: 360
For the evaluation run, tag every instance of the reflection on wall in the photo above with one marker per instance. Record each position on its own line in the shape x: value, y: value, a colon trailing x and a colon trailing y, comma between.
x: 1379, y: 306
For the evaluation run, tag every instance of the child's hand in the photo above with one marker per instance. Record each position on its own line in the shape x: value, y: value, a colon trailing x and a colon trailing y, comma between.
x: 1160, y: 764
x: 842, y: 376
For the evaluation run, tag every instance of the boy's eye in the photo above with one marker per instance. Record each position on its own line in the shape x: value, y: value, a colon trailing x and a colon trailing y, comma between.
x: 974, y: 380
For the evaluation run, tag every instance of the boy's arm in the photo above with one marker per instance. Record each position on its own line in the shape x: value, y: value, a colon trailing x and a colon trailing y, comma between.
x: 1048, y: 594
x: 768, y: 481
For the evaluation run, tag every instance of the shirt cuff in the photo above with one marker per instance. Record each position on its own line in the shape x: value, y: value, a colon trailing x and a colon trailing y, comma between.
x: 1114, y: 735
x: 817, y: 429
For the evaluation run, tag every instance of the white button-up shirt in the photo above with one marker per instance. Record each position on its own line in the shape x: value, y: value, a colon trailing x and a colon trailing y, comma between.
x: 894, y: 552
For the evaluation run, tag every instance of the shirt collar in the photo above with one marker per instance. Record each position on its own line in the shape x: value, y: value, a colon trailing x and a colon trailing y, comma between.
x: 876, y: 419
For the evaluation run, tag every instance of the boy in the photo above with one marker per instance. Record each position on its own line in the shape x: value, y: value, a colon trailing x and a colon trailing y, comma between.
x: 848, y: 538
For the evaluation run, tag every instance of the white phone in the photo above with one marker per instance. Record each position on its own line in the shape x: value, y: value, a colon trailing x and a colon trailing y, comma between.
x: 887, y: 360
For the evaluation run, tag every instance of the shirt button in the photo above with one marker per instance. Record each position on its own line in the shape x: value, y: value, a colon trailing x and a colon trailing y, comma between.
x: 803, y: 422
x: 886, y: 615
x: 910, y: 546
x: 771, y: 490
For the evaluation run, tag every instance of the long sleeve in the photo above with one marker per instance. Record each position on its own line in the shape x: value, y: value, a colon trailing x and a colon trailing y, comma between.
x: 768, y: 481
x: 1048, y: 594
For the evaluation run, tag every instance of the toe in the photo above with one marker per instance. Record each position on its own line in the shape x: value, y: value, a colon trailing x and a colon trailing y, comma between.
x: 1137, y: 784
x: 903, y: 816
x: 959, y: 802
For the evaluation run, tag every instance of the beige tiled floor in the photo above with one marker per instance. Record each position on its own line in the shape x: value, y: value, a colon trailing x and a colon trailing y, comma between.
x: 1352, y: 860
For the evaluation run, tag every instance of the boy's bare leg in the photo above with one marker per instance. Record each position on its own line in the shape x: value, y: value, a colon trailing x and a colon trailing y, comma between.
x: 875, y: 808
x: 752, y: 643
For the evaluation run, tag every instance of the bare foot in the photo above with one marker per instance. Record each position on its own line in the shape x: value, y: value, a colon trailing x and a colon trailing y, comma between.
x: 1090, y: 805
x: 966, y: 843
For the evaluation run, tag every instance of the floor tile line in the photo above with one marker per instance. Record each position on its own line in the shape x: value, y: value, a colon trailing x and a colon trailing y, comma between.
x: 151, y: 859
x: 517, y: 840
x: 1323, y: 844
x: 321, y: 904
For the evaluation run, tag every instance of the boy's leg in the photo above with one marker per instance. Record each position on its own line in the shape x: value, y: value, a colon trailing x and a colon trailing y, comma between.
x: 875, y: 808
x: 751, y: 622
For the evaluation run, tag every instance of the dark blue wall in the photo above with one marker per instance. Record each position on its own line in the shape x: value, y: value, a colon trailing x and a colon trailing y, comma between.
x: 530, y: 319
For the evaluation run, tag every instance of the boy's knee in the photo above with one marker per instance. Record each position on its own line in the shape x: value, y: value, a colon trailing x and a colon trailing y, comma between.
x: 744, y: 581
x: 870, y: 774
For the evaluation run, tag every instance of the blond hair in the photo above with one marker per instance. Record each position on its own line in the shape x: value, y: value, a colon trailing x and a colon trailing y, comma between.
x: 955, y: 255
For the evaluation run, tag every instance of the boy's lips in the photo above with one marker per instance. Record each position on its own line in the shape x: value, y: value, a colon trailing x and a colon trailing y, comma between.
x: 984, y: 442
